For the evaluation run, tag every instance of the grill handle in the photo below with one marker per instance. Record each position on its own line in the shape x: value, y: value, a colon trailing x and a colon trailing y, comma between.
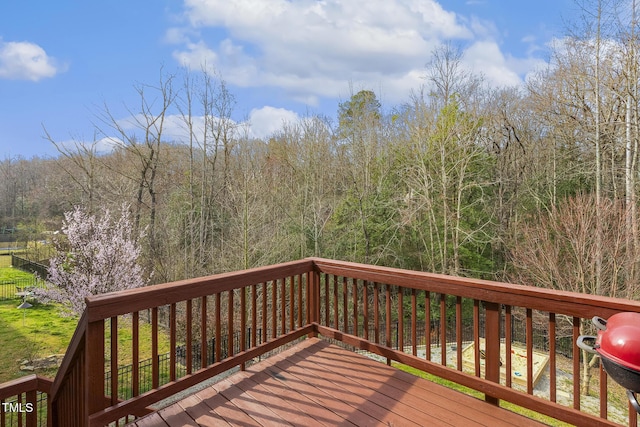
x: 599, y: 323
x: 586, y: 347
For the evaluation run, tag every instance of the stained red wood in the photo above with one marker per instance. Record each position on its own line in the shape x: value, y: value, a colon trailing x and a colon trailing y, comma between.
x: 155, y: 369
x: 316, y: 383
x: 114, y: 360
x: 576, y: 364
x: 552, y: 357
x: 569, y: 303
x: 71, y: 389
x: 335, y: 302
x: 414, y: 336
x: 203, y: 331
x: 189, y: 324
x: 459, y: 333
x: 135, y: 354
x: 172, y: 334
x: 529, y: 342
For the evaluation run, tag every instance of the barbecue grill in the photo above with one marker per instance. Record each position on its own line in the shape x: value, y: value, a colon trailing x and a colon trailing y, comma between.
x: 618, y: 344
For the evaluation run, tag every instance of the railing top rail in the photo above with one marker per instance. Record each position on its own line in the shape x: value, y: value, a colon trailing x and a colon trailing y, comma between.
x: 122, y: 302
x: 561, y: 302
x: 76, y: 344
x: 24, y: 384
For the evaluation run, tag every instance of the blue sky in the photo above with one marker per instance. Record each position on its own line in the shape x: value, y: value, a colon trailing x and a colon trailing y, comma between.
x: 61, y: 61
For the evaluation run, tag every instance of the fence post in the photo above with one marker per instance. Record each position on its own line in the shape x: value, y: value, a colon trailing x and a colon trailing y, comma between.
x: 94, y: 368
x: 492, y: 346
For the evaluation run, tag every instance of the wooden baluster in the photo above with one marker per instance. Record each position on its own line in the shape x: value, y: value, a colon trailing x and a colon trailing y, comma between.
x: 400, y: 321
x: 459, y: 333
x: 283, y: 307
x: 326, y: 299
x: 414, y: 321
x: 254, y: 314
x: 492, y: 346
x: 172, y: 341
x: 354, y: 292
x: 230, y: 318
x: 204, y: 360
x: 313, y: 296
x: 603, y: 392
x: 365, y: 310
x: 336, y: 324
x: 576, y: 364
x: 308, y: 299
x: 476, y: 336
x: 508, y: 322
x: 114, y: 360
x: 189, y: 337
x: 443, y: 329
x: 155, y: 369
x: 299, y: 301
x: 552, y: 357
x: 274, y: 309
x: 388, y: 319
x: 264, y: 312
x: 292, y: 305
x: 135, y: 354
x: 19, y: 400
x: 345, y: 316
x: 427, y: 325
x: 376, y: 312
x: 218, y: 337
x: 243, y: 323
x: 32, y: 417
x: 529, y: 341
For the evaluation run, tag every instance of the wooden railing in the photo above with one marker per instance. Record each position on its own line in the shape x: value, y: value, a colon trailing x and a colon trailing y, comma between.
x: 191, y: 312
x: 360, y: 304
x: 426, y: 321
x: 25, y: 401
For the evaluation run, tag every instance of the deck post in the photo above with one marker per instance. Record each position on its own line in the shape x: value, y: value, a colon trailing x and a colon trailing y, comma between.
x: 94, y: 369
x: 492, y: 346
x: 314, y: 298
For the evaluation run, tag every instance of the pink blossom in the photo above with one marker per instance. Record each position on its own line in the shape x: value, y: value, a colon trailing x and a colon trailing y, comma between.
x: 99, y: 255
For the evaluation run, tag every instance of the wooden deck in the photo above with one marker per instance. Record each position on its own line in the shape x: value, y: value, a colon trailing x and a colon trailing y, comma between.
x: 318, y: 384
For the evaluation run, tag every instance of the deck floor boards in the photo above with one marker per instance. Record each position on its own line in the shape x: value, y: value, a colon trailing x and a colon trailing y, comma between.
x: 318, y: 384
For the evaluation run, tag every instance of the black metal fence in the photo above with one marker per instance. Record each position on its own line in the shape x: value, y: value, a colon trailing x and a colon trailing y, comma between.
x: 15, y: 413
x: 33, y: 267
x: 145, y: 378
x: 10, y: 289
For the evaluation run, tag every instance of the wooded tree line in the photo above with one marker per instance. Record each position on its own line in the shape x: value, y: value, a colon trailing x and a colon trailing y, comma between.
x: 535, y: 185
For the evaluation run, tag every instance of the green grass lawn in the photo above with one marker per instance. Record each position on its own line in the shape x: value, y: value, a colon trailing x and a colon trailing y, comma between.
x: 45, y: 332
x: 8, y: 273
x: 5, y: 261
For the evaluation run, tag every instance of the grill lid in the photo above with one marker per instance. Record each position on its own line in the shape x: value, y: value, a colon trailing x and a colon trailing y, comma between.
x: 620, y: 341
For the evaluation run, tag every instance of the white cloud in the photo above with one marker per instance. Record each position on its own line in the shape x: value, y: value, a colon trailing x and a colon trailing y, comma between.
x: 100, y: 146
x: 500, y: 70
x: 25, y: 61
x: 263, y: 122
x: 107, y: 144
x: 314, y: 48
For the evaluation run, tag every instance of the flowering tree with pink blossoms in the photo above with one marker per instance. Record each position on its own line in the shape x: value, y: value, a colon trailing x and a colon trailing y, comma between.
x: 96, y: 255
